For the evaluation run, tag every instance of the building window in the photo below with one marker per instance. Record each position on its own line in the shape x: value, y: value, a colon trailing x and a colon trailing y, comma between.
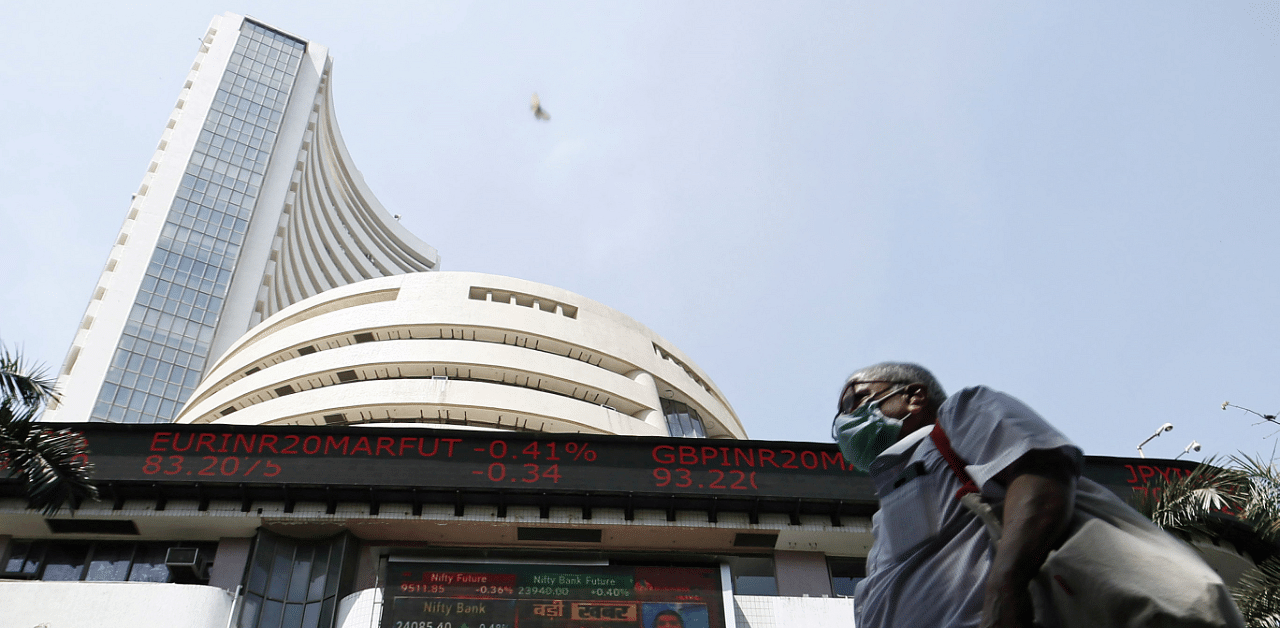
x: 95, y: 561
x: 683, y: 421
x: 295, y: 583
x: 752, y: 576
x: 846, y: 573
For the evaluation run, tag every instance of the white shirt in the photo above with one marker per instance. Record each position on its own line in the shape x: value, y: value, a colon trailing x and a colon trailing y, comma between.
x: 931, y: 556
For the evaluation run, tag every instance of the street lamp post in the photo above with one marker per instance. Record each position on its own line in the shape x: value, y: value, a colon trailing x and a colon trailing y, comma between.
x: 1160, y: 430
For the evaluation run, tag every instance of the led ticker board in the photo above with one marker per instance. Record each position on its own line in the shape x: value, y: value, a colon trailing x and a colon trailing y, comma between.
x: 231, y: 458
x: 453, y: 460
x: 445, y: 595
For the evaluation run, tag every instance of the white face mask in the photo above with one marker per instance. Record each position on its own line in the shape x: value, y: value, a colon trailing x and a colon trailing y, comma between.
x: 866, y: 432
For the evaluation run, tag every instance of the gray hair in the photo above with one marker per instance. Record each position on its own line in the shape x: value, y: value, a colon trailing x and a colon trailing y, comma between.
x: 902, y: 373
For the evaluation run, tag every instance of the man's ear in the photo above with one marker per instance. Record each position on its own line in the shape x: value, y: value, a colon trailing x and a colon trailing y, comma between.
x: 917, y: 398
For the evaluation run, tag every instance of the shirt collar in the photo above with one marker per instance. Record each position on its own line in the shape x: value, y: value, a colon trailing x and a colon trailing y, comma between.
x: 899, y: 452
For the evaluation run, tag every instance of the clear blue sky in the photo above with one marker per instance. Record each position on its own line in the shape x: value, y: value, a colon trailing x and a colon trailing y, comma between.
x: 1075, y: 204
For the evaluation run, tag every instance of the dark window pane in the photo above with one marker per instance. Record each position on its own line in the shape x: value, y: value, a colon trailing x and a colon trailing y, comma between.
x: 292, y: 616
x: 249, y: 613
x: 64, y: 561
x: 755, y: 585
x: 318, y: 571
x: 846, y: 573
x: 271, y: 612
x: 301, y: 578
x: 261, y: 564
x: 110, y: 562
x: 311, y: 618
x: 148, y: 564
x: 844, y: 587
x: 326, y: 612
x: 337, y: 550
x: 18, y: 558
x: 281, y: 568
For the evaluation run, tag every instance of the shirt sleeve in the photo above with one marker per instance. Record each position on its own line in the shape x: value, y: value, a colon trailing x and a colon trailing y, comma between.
x: 991, y: 430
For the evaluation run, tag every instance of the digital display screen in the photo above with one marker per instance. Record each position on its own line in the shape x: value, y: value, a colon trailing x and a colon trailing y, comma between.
x: 447, y: 595
x: 508, y: 461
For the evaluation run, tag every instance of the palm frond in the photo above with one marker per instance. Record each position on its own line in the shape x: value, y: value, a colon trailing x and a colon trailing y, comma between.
x: 53, y: 464
x: 1190, y: 503
x: 23, y: 382
x: 1262, y: 512
x: 1257, y: 595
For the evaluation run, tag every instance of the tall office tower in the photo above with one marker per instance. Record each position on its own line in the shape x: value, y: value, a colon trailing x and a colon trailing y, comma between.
x: 251, y: 203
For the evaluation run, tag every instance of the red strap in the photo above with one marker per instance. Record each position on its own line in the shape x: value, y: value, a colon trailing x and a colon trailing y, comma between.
x: 943, y: 444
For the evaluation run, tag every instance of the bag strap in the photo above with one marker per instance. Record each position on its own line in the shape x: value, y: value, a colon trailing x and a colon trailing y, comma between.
x: 968, y: 495
x: 957, y: 464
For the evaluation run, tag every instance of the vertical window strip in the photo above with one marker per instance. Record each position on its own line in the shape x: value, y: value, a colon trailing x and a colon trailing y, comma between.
x: 201, y: 239
x: 293, y: 581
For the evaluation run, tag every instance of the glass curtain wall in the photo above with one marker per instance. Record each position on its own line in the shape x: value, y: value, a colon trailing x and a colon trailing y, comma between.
x: 683, y: 421
x: 295, y: 583
x: 166, y: 340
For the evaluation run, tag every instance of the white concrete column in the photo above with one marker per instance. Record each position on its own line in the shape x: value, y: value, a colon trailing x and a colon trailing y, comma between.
x: 651, y: 398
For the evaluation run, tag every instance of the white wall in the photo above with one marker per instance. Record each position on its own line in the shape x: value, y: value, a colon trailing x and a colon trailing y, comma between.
x: 112, y: 605
x: 792, y: 612
x: 361, y: 609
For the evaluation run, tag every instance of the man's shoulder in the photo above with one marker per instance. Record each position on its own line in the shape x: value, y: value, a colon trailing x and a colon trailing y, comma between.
x: 993, y: 429
x: 981, y: 398
x: 979, y: 413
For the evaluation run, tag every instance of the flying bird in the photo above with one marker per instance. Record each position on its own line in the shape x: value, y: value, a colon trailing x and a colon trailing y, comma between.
x: 538, y: 112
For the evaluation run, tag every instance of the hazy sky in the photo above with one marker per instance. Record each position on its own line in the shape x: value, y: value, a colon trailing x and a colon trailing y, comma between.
x: 1075, y: 204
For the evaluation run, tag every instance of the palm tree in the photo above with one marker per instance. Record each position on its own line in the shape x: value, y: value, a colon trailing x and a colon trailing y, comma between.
x: 1193, y: 506
x: 50, y: 463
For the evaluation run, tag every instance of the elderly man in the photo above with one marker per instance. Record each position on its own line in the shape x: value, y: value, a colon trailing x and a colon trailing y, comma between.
x: 933, y: 563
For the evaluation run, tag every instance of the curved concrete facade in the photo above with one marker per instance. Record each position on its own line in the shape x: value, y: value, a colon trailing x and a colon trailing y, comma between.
x: 336, y: 232
x: 458, y: 349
